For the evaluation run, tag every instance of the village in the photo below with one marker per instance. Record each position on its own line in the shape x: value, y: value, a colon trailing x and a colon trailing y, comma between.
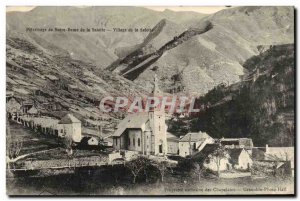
x: 142, y: 134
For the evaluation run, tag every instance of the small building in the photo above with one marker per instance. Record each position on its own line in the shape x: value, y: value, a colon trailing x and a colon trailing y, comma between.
x: 173, y: 144
x: 107, y: 143
x: 33, y: 111
x: 281, y: 154
x: 88, y: 142
x: 192, y: 143
x: 70, y: 126
x: 26, y: 105
x: 231, y: 143
x: 13, y: 107
x: 212, y: 162
x: 240, y: 159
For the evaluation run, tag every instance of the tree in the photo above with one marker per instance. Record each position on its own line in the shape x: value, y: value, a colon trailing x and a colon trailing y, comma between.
x: 217, y: 155
x: 163, y: 167
x: 198, y: 170
x: 136, y: 166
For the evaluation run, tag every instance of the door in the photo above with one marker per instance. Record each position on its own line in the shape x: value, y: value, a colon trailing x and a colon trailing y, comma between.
x: 160, y: 148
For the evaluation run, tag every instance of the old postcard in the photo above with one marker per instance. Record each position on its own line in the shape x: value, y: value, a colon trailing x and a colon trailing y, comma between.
x: 150, y: 100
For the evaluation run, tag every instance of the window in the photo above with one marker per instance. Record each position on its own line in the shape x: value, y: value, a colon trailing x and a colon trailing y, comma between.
x: 159, y: 128
x: 194, y: 145
x: 62, y: 130
x: 139, y: 142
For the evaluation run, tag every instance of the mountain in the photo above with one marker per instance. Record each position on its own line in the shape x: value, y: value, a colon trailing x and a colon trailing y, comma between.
x: 260, y: 107
x: 99, y: 48
x: 208, y: 59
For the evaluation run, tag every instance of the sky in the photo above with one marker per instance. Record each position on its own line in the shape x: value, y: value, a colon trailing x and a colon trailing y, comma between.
x: 202, y: 9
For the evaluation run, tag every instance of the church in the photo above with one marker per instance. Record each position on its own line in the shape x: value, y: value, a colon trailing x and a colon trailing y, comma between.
x: 144, y: 132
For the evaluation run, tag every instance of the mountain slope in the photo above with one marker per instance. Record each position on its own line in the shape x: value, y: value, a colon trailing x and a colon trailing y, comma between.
x: 59, y: 81
x: 215, y: 57
x: 261, y: 107
x: 100, y: 48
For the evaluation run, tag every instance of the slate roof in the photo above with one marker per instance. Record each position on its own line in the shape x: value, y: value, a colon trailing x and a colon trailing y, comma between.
x: 247, y: 142
x: 258, y: 153
x: 234, y: 155
x: 32, y: 110
x: 204, y: 153
x: 135, y: 120
x: 172, y: 137
x: 280, y: 153
x: 69, y: 119
x: 195, y: 137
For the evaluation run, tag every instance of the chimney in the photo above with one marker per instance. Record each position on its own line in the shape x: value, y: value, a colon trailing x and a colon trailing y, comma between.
x: 267, y: 148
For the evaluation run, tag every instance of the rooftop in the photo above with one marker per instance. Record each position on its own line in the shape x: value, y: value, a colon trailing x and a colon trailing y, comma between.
x: 135, y: 120
x: 69, y: 119
x: 195, y: 137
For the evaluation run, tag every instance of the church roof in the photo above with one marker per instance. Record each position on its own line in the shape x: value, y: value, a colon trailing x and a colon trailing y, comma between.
x: 69, y: 119
x: 135, y: 120
x: 195, y: 137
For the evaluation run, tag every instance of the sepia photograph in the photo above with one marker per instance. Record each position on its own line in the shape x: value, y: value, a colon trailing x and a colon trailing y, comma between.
x: 150, y: 100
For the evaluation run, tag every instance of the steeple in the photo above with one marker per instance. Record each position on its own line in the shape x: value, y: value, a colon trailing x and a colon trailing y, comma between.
x: 156, y: 91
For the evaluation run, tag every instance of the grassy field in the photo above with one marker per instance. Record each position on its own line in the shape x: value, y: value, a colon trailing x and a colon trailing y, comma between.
x: 100, y: 182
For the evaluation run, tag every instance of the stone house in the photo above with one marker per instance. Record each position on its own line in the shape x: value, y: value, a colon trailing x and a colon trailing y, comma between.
x: 192, y: 143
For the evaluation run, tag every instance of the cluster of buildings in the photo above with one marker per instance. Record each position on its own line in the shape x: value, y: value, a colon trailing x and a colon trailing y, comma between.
x: 145, y: 133
x: 27, y: 114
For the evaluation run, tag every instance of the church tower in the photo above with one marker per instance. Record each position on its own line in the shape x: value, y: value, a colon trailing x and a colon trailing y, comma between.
x: 158, y: 124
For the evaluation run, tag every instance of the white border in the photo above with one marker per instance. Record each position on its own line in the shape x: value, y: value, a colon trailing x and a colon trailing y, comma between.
x: 5, y: 3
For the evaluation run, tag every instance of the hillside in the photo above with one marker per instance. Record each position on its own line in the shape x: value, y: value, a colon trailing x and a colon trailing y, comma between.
x: 52, y: 81
x: 216, y: 56
x: 260, y: 107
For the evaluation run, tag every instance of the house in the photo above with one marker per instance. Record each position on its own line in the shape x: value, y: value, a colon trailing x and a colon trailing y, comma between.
x: 229, y: 143
x: 281, y: 154
x: 282, y: 158
x: 26, y: 105
x: 192, y: 143
x: 240, y: 158
x: 88, y: 142
x: 143, y: 132
x: 33, y: 111
x: 13, y: 107
x: 173, y: 144
x: 107, y: 143
x: 212, y: 161
x: 70, y: 126
x: 9, y: 94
